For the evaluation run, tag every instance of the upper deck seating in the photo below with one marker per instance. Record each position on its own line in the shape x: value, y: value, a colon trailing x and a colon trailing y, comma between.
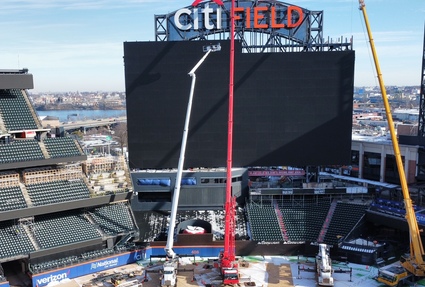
x: 11, y: 198
x: 20, y: 150
x: 57, y: 191
x: 62, y: 147
x: 15, y: 111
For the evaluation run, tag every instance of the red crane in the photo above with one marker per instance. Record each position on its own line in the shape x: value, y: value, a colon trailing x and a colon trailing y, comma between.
x: 229, y: 267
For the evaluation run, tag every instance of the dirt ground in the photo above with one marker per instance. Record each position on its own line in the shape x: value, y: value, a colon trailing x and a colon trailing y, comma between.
x: 279, y: 275
x: 196, y: 274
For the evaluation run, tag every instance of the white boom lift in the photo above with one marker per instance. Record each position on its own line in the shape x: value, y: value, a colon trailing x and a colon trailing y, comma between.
x: 169, y: 277
x: 324, y: 267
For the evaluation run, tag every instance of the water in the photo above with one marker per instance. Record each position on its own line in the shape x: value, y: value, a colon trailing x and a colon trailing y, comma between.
x: 79, y: 115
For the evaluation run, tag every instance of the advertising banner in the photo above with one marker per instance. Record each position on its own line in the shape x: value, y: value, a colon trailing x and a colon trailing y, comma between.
x: 43, y: 279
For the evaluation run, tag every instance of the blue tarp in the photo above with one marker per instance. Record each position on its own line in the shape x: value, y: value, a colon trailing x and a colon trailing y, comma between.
x: 154, y: 181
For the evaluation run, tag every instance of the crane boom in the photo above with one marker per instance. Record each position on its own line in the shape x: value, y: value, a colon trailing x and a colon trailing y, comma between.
x: 415, y: 263
x: 228, y: 266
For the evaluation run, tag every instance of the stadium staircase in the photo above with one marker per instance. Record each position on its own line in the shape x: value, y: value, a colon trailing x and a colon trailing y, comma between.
x: 43, y: 149
x: 78, y: 145
x: 28, y: 225
x: 325, y: 225
x: 280, y: 220
x: 2, y: 126
x: 90, y: 218
x: 25, y: 194
x: 31, y: 108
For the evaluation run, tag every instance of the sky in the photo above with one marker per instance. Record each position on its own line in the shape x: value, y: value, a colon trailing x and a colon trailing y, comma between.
x: 77, y: 45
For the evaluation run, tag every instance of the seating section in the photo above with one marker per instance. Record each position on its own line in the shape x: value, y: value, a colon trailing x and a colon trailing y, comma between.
x: 57, y: 191
x: 11, y: 198
x: 13, y: 240
x: 113, y: 218
x: 63, y: 228
x: 15, y: 111
x: 264, y: 224
x: 391, y: 207
x: 20, y: 150
x: 303, y: 223
x: 344, y: 218
x: 62, y: 147
x: 40, y: 267
x: 53, y: 264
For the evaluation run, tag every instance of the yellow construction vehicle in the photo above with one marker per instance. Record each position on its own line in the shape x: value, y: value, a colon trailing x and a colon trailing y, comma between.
x: 414, y: 262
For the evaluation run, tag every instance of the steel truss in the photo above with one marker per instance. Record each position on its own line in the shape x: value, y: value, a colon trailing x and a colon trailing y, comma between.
x: 308, y: 36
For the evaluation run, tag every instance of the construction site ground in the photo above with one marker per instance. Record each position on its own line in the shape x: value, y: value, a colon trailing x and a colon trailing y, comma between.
x: 267, y: 271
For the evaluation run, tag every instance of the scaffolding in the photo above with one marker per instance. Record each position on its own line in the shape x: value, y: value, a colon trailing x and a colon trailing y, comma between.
x: 9, y: 179
x: 42, y: 175
x: 256, y: 35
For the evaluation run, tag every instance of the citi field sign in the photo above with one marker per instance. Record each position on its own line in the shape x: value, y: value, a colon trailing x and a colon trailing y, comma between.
x: 215, y: 15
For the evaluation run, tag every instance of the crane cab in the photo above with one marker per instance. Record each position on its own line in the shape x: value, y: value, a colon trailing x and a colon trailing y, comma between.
x: 392, y: 276
x: 230, y: 276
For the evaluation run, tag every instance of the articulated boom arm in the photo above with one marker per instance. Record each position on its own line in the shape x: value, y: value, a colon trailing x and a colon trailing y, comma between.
x: 414, y: 264
x: 176, y: 195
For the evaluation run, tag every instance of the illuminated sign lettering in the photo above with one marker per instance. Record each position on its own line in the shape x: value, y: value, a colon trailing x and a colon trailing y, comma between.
x: 253, y: 17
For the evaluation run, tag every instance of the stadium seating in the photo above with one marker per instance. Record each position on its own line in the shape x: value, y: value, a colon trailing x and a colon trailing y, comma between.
x: 303, y: 222
x: 13, y: 240
x: 62, y: 147
x: 39, y: 267
x: 57, y: 191
x: 113, y: 218
x: 53, y: 264
x: 11, y: 198
x: 20, y: 150
x: 63, y: 228
x: 344, y: 218
x: 263, y: 223
x: 15, y: 111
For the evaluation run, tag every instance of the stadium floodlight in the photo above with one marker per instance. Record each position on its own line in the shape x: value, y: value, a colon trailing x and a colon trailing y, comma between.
x: 169, y: 246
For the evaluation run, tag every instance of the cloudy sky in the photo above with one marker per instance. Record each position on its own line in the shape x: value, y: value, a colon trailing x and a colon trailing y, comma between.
x: 77, y: 45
